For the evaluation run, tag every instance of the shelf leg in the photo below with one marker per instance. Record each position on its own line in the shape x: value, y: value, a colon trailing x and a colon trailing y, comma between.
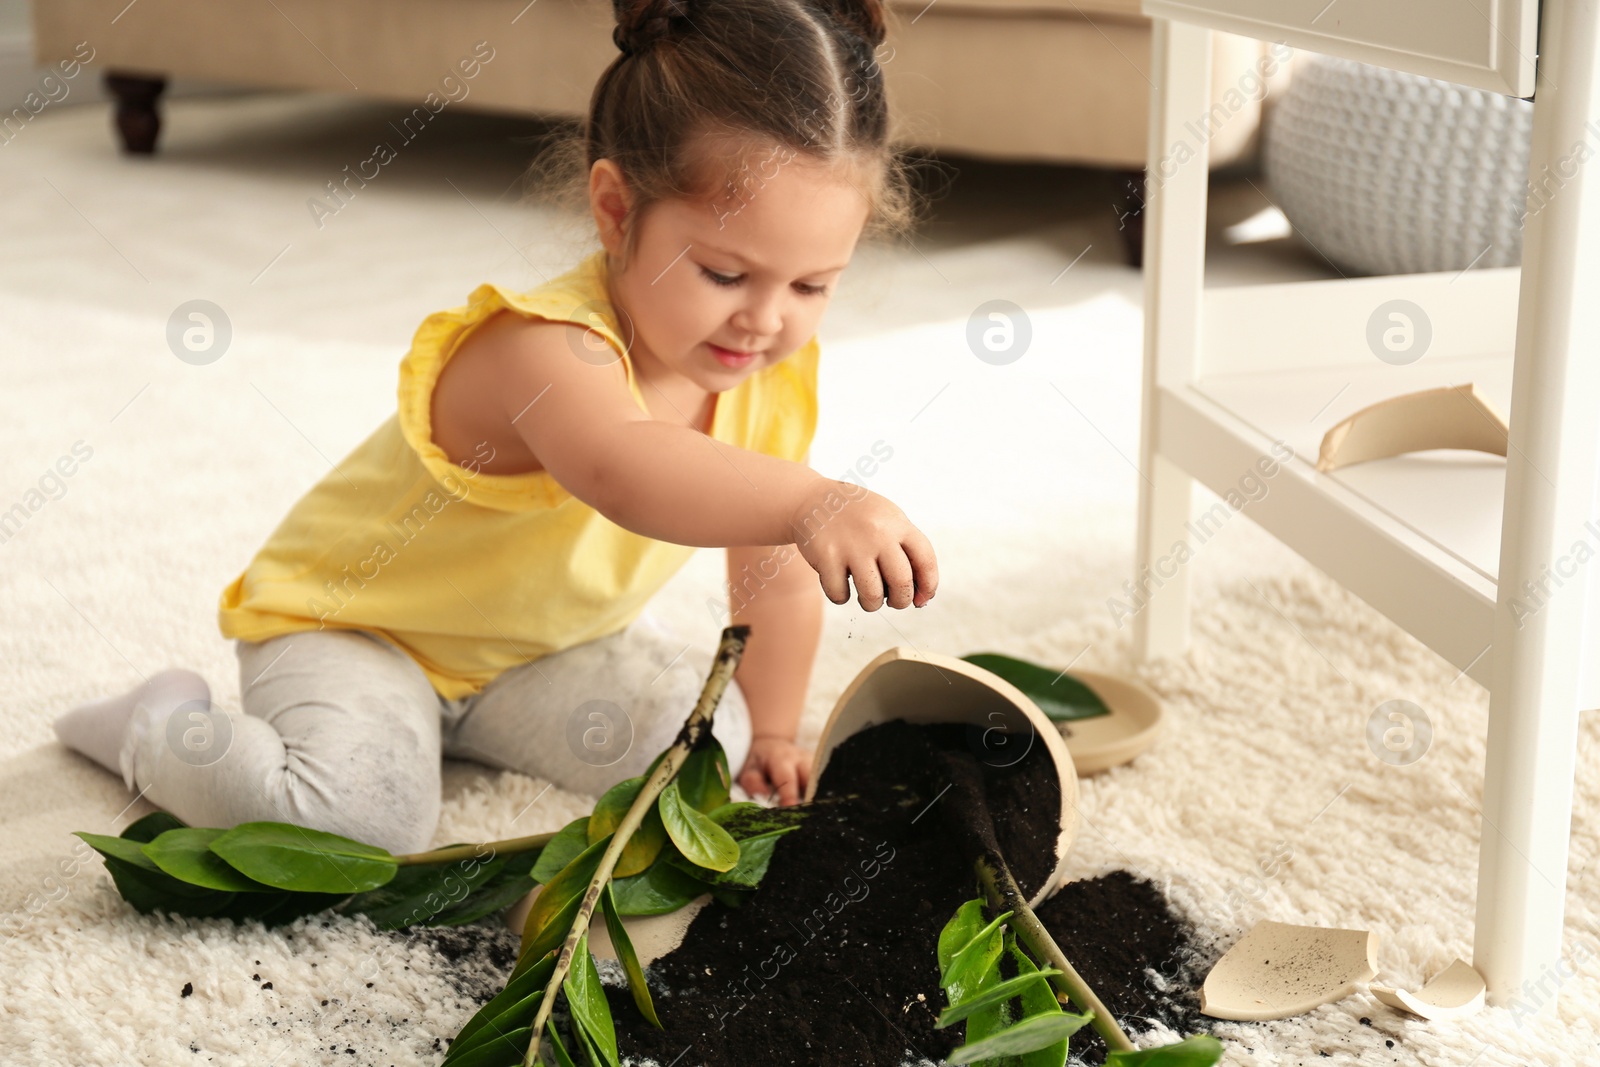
x: 1550, y: 483
x: 1176, y: 175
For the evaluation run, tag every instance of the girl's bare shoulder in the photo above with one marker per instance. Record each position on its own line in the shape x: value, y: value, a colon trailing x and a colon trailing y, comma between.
x: 477, y: 404
x: 468, y: 409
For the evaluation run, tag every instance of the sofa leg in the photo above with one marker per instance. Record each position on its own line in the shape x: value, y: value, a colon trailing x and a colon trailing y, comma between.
x: 1128, y: 207
x: 138, y: 121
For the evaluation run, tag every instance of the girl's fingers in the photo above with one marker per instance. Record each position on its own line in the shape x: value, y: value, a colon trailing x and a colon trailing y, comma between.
x: 835, y: 582
x: 754, y: 782
x: 785, y: 778
x: 920, y: 551
x: 898, y: 582
x: 869, y: 584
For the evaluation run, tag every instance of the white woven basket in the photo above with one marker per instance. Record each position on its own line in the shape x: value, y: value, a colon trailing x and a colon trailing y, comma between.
x: 1391, y: 173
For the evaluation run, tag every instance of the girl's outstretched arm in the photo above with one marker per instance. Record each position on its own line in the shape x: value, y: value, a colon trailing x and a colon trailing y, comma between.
x: 665, y: 481
x: 771, y: 589
x: 673, y: 483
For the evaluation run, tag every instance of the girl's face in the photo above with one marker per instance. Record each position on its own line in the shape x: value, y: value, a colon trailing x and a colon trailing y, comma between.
x: 716, y: 292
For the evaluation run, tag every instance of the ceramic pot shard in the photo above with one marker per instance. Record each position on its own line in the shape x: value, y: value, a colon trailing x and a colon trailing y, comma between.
x: 1456, y: 991
x: 1280, y: 969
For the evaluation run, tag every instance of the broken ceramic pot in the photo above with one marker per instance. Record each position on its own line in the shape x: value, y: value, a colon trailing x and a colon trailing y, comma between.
x: 1101, y: 742
x: 1280, y: 969
x: 1451, y: 416
x: 1456, y: 991
x: 929, y: 687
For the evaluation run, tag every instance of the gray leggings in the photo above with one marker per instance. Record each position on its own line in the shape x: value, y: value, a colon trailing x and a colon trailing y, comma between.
x: 343, y: 732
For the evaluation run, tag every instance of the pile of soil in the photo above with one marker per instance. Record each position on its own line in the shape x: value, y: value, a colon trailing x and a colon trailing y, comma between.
x: 1143, y: 961
x: 834, y: 959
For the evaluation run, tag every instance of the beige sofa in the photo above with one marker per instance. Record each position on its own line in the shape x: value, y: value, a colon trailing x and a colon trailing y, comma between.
x: 1063, y: 81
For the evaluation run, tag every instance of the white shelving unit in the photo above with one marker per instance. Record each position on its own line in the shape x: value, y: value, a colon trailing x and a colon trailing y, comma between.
x: 1441, y: 542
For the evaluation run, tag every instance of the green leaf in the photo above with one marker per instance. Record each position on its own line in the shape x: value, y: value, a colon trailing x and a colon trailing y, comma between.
x: 1201, y: 1050
x: 586, y: 1000
x: 967, y: 948
x: 658, y: 890
x: 504, y: 889
x: 1038, y: 1000
x: 562, y: 849
x: 563, y: 1057
x: 744, y: 819
x: 148, y: 888
x: 643, y: 846
x: 1033, y: 1033
x: 628, y: 958
x: 730, y: 897
x: 552, y: 935
x: 611, y: 807
x: 646, y: 841
x: 532, y: 980
x: 957, y: 933
x: 120, y: 848
x: 311, y: 861
x: 1059, y: 695
x: 151, y: 890
x: 501, y: 1051
x: 151, y: 826
x: 995, y: 994
x: 996, y: 1009
x: 755, y: 853
x: 703, y: 778
x: 591, y: 1052
x: 700, y: 840
x: 185, y: 853
x: 557, y: 903
x: 515, y: 1017
x: 419, y: 892
x: 285, y: 909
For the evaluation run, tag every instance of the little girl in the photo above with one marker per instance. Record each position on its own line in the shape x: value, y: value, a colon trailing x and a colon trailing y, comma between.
x: 472, y: 579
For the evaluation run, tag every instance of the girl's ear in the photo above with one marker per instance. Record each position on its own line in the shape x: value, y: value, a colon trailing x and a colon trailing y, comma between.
x: 609, y: 199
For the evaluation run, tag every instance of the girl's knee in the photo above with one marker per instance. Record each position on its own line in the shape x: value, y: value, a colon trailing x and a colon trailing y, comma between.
x: 397, y: 829
x: 659, y: 716
x: 408, y: 834
x: 370, y: 796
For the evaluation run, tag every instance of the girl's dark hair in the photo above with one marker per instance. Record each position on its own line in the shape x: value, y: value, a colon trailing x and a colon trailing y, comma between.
x: 708, y: 97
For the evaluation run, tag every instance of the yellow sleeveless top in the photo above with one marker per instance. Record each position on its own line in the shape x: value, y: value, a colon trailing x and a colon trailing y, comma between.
x: 471, y: 573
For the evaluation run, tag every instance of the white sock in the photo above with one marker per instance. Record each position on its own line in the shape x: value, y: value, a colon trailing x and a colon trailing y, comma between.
x: 100, y: 729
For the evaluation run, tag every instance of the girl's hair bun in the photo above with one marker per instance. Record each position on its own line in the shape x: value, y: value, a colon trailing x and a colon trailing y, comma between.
x: 705, y: 90
x: 641, y: 23
x: 863, y: 17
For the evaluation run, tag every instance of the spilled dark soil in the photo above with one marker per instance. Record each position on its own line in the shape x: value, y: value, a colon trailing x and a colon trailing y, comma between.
x: 834, y: 960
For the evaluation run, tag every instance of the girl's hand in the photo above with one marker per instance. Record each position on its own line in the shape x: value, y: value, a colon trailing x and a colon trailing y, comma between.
x: 775, y: 764
x: 846, y: 531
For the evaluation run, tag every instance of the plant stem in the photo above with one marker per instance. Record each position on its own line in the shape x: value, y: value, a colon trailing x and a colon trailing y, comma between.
x: 967, y: 813
x: 510, y: 846
x: 696, y: 727
x: 1002, y: 893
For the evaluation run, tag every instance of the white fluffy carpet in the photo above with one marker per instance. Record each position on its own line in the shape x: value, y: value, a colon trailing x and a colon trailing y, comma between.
x: 1030, y: 507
